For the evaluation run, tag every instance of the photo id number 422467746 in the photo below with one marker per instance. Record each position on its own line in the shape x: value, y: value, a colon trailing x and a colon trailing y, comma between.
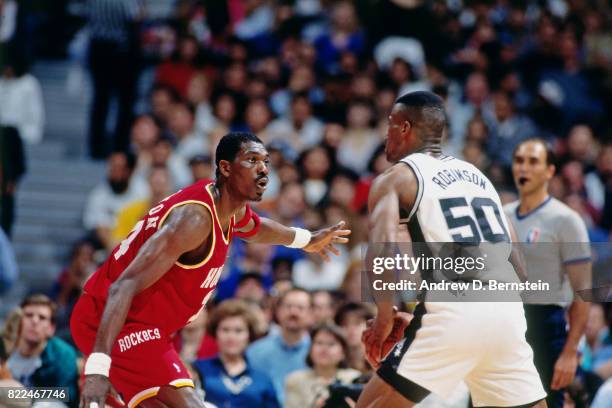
x: 35, y: 393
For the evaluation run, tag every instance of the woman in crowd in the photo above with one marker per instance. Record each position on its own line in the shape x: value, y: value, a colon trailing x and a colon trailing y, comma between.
x: 228, y: 379
x: 327, y: 362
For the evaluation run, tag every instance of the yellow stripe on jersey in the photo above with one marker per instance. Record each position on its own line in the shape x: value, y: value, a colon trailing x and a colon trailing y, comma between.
x: 212, y: 247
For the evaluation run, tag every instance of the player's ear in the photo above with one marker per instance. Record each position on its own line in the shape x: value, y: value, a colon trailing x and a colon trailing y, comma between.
x: 551, y: 170
x: 224, y: 168
x: 406, y: 126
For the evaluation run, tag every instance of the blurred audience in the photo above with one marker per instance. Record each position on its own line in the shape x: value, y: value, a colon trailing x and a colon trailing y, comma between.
x: 108, y: 197
x: 229, y: 379
x: 327, y: 362
x: 284, y: 351
x: 41, y: 359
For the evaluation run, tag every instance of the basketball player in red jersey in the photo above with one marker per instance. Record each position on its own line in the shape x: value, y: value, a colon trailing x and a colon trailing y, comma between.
x: 161, y: 276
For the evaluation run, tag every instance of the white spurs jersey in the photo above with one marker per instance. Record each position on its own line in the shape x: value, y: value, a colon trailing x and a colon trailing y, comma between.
x: 455, y: 203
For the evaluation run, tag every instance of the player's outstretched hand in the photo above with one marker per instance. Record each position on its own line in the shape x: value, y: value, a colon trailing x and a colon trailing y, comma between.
x: 95, y: 390
x: 323, y: 240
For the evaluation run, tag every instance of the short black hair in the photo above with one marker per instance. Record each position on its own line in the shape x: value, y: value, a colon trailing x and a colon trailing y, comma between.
x: 230, y: 145
x: 425, y: 111
x: 551, y: 157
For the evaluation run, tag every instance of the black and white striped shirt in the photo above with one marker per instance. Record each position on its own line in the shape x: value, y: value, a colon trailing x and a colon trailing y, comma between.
x: 109, y: 19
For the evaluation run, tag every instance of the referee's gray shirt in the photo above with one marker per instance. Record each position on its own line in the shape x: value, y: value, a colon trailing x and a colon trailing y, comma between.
x: 554, y: 236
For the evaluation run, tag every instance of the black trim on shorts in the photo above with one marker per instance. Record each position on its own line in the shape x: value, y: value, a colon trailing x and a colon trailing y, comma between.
x: 528, y: 405
x: 388, y: 369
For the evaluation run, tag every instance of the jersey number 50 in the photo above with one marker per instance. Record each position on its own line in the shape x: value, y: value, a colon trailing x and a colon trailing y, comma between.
x: 484, y: 209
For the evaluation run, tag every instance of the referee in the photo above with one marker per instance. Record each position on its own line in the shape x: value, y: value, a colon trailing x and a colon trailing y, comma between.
x: 557, y: 252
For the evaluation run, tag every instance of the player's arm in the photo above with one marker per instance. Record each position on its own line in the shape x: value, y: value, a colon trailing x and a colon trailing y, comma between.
x: 395, y: 187
x: 187, y: 228
x: 578, y: 315
x: 576, y: 256
x: 267, y: 231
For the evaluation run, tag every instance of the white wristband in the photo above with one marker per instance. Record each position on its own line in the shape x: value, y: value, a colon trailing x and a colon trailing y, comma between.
x: 301, y: 239
x: 98, y: 363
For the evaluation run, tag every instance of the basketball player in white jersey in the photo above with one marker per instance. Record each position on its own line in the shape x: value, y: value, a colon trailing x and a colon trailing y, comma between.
x: 445, y: 200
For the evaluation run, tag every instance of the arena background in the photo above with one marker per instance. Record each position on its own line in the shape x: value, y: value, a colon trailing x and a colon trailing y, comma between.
x: 315, y: 80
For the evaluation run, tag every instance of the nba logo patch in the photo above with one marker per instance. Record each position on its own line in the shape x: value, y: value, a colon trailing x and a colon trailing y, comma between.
x: 533, y: 235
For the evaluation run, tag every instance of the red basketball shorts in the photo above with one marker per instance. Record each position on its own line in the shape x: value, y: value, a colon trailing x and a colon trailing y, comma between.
x: 143, y: 356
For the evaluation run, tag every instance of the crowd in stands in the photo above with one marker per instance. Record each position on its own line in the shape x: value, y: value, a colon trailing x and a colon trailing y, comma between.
x: 315, y: 80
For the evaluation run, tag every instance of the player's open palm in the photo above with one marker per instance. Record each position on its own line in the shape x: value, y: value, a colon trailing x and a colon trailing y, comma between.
x: 322, y: 241
x: 95, y: 390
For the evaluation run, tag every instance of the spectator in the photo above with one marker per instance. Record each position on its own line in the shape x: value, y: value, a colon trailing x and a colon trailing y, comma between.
x: 193, y: 338
x: 165, y: 156
x: 12, y: 168
x: 283, y: 352
x: 69, y: 285
x: 581, y: 147
x: 316, y: 164
x: 258, y: 17
x: 508, y: 130
x: 6, y: 348
x: 225, y: 111
x: 575, y: 94
x: 344, y: 36
x: 302, y: 81
x: 201, y: 167
x: 251, y: 288
x: 598, y: 185
x: 360, y: 139
x: 596, y: 330
x: 160, y: 187
x: 181, y: 123
x: 602, y: 357
x: 376, y: 165
x: 477, y: 100
x: 230, y: 379
x: 9, y: 272
x: 312, y: 273
x: 300, y: 129
x: 257, y: 118
x: 198, y: 94
x: 108, y: 197
x: 40, y: 359
x: 323, y: 308
x: 352, y: 318
x: 113, y: 52
x: 162, y: 98
x: 327, y: 362
x: 178, y: 72
x: 144, y: 135
x: 22, y: 100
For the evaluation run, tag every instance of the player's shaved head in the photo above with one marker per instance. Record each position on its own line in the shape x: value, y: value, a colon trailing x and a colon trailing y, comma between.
x: 425, y: 112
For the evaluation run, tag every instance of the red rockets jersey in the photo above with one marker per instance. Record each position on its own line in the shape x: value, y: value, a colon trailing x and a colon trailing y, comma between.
x: 179, y: 295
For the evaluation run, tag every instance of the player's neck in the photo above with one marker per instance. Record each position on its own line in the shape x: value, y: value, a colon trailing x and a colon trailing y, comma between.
x: 531, y: 201
x: 226, y: 207
x: 433, y: 149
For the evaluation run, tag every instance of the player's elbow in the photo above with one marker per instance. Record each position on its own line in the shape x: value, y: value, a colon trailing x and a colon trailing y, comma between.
x: 122, y: 289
